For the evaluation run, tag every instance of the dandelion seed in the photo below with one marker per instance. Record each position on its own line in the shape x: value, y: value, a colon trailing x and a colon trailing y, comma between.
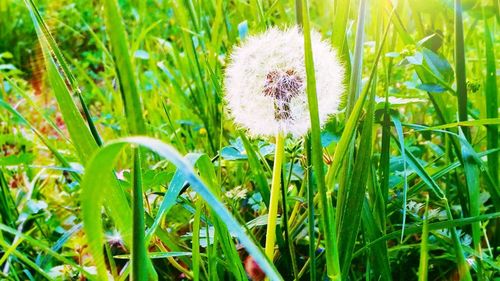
x: 266, y: 83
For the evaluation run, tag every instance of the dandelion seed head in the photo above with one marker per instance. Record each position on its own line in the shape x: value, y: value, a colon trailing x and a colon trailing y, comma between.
x: 265, y: 82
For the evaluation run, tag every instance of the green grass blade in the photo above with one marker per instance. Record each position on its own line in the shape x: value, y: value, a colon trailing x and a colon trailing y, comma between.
x: 472, y: 177
x: 424, y: 245
x: 257, y: 169
x: 123, y: 67
x: 141, y: 265
x: 23, y: 259
x: 310, y: 211
x: 356, y: 190
x: 491, y: 92
x: 461, y: 78
x: 333, y: 266
x: 196, y: 242
x: 399, y: 131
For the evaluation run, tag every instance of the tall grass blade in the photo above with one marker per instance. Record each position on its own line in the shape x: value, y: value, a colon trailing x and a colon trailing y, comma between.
x: 461, y: 79
x: 328, y: 222
x: 472, y: 176
x: 123, y: 66
x: 356, y: 189
x: 141, y: 265
x: 491, y: 93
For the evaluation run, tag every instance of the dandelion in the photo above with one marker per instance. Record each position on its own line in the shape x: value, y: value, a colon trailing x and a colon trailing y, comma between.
x: 266, y: 94
x: 266, y: 83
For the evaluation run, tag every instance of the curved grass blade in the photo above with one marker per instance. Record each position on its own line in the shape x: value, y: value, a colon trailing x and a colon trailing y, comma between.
x: 98, y: 171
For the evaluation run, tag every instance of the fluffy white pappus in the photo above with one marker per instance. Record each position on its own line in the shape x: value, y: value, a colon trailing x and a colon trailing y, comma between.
x: 265, y: 82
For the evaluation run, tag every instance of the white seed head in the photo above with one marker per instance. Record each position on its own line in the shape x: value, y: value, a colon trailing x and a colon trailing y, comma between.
x: 265, y: 82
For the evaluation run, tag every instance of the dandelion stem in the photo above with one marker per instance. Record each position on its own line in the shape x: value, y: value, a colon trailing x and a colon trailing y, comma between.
x: 275, y: 195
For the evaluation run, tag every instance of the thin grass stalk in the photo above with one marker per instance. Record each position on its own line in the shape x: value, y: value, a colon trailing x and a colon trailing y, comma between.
x: 139, y: 255
x: 328, y: 221
x: 196, y: 241
x: 310, y: 211
x: 424, y: 245
x: 461, y: 78
x: 290, y: 252
x: 275, y: 194
x: 491, y: 92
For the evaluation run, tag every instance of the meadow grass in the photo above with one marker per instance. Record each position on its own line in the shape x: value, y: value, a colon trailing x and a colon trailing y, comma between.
x: 119, y: 159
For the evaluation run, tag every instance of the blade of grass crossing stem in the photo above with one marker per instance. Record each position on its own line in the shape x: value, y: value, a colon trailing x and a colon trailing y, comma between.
x: 472, y: 177
x: 491, y: 92
x: 22, y: 258
x: 356, y: 189
x: 52, y: 149
x: 333, y: 267
x: 424, y: 244
x: 461, y: 78
x: 98, y: 171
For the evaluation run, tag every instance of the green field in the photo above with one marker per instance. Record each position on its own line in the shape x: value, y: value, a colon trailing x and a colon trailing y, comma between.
x: 234, y: 139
